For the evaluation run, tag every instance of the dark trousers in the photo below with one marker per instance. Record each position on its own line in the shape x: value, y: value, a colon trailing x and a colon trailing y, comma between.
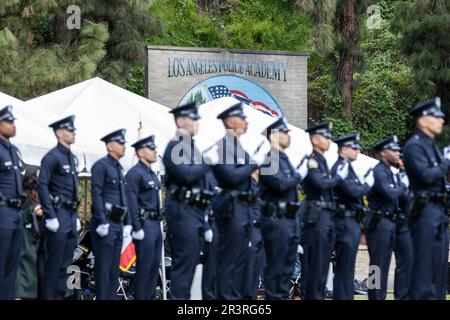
x: 209, y: 275
x: 280, y: 244
x: 348, y: 232
x: 234, y: 238
x: 380, y: 243
x: 254, y: 265
x: 11, y: 233
x: 403, y: 252
x: 186, y: 239
x: 318, y: 245
x: 107, y: 260
x: 59, y: 249
x: 148, y: 251
x: 430, y: 253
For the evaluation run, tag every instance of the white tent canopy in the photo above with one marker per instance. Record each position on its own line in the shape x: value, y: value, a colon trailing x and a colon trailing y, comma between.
x: 100, y: 108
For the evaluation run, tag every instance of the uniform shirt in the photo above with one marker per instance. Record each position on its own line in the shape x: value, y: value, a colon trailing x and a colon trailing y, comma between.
x: 184, y: 164
x: 319, y: 182
x: 234, y: 172
x: 426, y: 168
x: 57, y: 177
x: 10, y: 167
x: 282, y: 185
x: 108, y: 186
x: 142, y: 191
x: 386, y: 191
x: 350, y: 191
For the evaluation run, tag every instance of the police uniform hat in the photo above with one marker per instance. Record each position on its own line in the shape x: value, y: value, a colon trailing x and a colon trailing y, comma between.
x: 430, y: 107
x: 351, y: 141
x: 390, y: 143
x: 6, y: 114
x: 323, y: 129
x: 148, y: 142
x: 279, y: 125
x: 118, y: 135
x: 187, y: 110
x: 236, y: 110
x: 66, y: 123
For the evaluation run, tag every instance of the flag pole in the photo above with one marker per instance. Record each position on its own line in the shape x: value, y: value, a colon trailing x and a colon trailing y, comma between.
x: 163, y: 261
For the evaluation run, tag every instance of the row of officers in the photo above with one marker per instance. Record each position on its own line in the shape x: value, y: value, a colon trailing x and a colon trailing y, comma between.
x: 233, y: 211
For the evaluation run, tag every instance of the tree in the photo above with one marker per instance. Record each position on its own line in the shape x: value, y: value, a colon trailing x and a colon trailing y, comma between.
x: 424, y: 26
x: 339, y: 26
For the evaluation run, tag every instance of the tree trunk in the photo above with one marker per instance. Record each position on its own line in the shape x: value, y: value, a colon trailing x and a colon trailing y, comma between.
x: 348, y: 30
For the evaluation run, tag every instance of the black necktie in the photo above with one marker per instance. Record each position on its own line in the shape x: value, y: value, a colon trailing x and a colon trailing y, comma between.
x: 15, y: 164
x: 73, y: 172
x: 121, y: 185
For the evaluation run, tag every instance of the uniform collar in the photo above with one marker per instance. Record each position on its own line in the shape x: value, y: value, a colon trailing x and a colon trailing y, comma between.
x: 424, y: 137
x: 318, y: 155
x: 5, y: 143
x: 143, y: 165
x: 61, y: 148
x: 113, y: 161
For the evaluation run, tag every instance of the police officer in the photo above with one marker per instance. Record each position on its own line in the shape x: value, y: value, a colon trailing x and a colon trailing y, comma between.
x: 279, y: 221
x: 403, y: 243
x: 318, y: 233
x: 143, y: 202
x: 382, y: 218
x: 11, y: 194
x: 427, y: 169
x: 350, y: 213
x: 186, y: 200
x: 109, y: 214
x: 210, y: 249
x: 58, y: 194
x: 233, y: 205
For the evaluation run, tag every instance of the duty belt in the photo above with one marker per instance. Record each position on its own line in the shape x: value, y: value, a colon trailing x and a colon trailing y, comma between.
x: 59, y: 201
x: 358, y: 215
x: 195, y: 196
x: 115, y: 212
x: 280, y: 209
x: 12, y: 202
x: 247, y: 196
x: 330, y: 206
x: 145, y: 214
x: 387, y: 214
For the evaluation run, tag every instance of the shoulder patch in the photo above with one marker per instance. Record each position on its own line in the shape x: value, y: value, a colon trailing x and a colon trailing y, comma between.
x: 312, y: 163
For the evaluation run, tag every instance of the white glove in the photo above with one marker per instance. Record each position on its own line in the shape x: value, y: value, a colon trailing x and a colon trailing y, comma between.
x: 212, y: 156
x: 342, y: 170
x: 446, y: 152
x: 127, y: 230
x: 102, y: 230
x: 404, y: 179
x: 369, y: 179
x: 138, y: 235
x: 299, y: 249
x: 208, y: 236
x: 78, y: 225
x: 52, y: 224
x: 206, y: 218
x: 303, y: 168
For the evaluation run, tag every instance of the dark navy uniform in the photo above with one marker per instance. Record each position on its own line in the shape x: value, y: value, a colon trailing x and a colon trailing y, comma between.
x: 186, y: 183
x: 210, y: 250
x: 143, y: 202
x: 280, y: 224
x: 58, y: 195
x: 427, y: 171
x: 318, y: 225
x: 255, y: 263
x: 381, y: 221
x: 403, y: 249
x: 349, y: 214
x: 109, y: 206
x: 11, y: 228
x: 233, y: 209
